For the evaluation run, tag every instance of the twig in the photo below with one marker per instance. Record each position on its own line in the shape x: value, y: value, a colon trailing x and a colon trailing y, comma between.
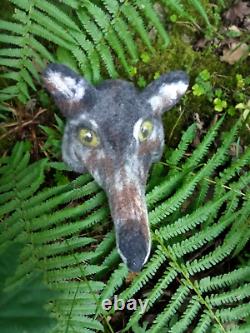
x: 22, y: 125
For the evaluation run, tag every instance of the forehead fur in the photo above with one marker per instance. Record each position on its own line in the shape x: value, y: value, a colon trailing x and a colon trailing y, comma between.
x: 117, y: 108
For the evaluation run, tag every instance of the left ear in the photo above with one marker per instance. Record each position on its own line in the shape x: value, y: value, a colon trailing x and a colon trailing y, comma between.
x: 163, y: 93
x: 68, y: 89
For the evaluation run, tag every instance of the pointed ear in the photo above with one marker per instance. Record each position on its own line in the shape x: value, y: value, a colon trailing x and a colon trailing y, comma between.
x: 68, y: 89
x: 163, y: 93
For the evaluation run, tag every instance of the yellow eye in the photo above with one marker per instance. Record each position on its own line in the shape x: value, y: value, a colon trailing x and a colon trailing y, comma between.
x: 89, y: 138
x: 145, y: 130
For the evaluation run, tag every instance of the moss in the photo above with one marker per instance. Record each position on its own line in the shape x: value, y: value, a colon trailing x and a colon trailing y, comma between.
x: 181, y: 55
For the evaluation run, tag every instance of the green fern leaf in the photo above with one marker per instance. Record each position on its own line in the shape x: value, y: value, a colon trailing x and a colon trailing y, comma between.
x: 114, y: 282
x: 178, y: 8
x: 56, y: 13
x: 136, y: 21
x: 176, y: 300
x: 148, y: 10
x: 200, y: 9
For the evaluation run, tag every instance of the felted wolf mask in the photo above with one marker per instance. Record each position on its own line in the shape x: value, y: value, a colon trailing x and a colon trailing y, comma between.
x: 115, y: 132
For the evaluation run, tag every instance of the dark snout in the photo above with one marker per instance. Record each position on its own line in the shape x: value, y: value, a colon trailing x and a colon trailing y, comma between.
x: 129, y: 213
x: 133, y: 244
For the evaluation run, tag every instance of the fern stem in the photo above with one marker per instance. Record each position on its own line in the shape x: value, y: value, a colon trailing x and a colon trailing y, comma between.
x: 71, y: 308
x: 207, y: 179
x: 194, y: 286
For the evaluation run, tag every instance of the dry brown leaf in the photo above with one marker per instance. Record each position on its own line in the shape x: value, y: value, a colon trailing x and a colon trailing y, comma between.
x: 235, y: 53
x: 200, y: 44
x: 237, y: 12
x: 235, y: 29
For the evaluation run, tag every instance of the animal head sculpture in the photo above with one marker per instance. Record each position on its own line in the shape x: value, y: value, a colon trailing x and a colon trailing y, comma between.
x: 115, y: 132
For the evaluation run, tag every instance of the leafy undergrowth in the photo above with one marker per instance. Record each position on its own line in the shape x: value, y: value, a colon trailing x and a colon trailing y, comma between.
x: 197, y: 277
x: 22, y: 298
x: 194, y: 45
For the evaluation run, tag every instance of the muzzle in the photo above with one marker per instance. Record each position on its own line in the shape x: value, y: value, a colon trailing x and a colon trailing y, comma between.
x: 129, y: 213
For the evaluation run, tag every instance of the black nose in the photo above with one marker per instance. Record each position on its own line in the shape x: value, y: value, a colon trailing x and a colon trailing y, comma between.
x: 133, y: 244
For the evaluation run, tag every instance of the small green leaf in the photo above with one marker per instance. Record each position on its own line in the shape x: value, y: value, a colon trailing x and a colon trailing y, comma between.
x: 219, y: 105
x: 132, y: 71
x: 198, y: 90
x: 205, y: 75
x: 231, y: 110
x: 173, y: 18
x: 142, y: 82
x: 157, y: 75
x: 218, y: 92
x: 145, y: 57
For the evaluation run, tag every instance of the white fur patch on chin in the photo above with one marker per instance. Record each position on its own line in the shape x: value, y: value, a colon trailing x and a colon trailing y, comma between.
x: 168, y: 94
x: 66, y: 85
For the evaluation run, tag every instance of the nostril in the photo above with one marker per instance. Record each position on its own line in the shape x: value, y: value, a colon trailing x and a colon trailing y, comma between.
x: 133, y: 244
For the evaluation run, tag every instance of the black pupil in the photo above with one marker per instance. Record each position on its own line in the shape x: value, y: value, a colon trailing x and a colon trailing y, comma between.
x: 144, y: 131
x: 88, y: 137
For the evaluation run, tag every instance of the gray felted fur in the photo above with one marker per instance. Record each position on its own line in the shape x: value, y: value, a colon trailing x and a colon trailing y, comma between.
x: 116, y: 112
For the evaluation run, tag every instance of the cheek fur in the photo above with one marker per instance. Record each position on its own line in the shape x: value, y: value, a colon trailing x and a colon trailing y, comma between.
x: 100, y: 166
x: 148, y: 147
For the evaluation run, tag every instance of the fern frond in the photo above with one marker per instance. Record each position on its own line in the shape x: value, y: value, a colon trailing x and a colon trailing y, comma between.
x: 150, y: 269
x: 154, y: 295
x: 108, y: 31
x: 213, y: 258
x: 56, y: 248
x: 203, y: 324
x: 238, y: 312
x: 164, y: 189
x: 148, y: 10
x: 106, y: 244
x: 114, y: 282
x: 56, y: 13
x: 220, y: 281
x: 176, y: 300
x: 201, y: 238
x: 186, y: 140
x: 203, y: 147
x: 61, y: 227
x: 200, y: 9
x: 132, y: 15
x: 231, y: 296
x: 189, y: 222
x: 178, y: 8
x: 188, y: 316
x: 71, y: 3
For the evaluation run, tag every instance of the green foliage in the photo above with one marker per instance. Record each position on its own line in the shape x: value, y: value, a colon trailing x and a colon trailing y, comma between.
x: 203, y: 85
x: 199, y: 214
x: 221, y: 99
x: 52, y: 146
x: 86, y: 35
x: 22, y: 299
x: 30, y: 217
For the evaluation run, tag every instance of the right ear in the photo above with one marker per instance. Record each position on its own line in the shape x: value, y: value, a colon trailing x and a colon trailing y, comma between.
x: 163, y: 93
x: 68, y: 89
